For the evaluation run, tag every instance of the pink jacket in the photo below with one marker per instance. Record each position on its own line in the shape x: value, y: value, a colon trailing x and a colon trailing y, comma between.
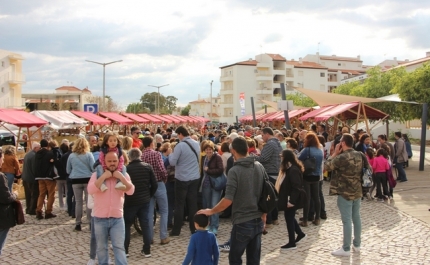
x: 380, y: 164
x: 109, y: 203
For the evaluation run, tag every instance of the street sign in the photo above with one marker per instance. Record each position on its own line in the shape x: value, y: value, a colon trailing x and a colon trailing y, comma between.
x: 93, y: 108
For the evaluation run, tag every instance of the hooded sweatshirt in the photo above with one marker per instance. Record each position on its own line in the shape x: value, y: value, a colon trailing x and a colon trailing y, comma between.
x: 244, y: 186
x: 43, y: 167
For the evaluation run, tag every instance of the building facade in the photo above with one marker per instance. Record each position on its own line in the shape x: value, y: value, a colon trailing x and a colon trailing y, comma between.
x: 11, y: 79
x: 202, y: 107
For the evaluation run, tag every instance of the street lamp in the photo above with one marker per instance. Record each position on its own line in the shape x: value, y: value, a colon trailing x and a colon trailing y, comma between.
x: 158, y: 97
x: 211, y: 102
x: 104, y: 66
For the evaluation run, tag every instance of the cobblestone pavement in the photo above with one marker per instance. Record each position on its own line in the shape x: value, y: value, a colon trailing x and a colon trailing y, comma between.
x: 389, y: 237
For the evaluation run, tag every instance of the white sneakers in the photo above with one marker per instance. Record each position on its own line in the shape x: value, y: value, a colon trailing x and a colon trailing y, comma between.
x: 103, y: 187
x: 91, y: 262
x: 356, y: 249
x: 120, y: 186
x: 341, y: 252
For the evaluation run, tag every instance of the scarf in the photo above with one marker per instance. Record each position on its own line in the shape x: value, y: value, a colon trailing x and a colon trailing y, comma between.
x: 280, y: 179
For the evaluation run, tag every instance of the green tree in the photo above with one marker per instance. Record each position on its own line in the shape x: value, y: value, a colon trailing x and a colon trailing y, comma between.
x: 301, y: 100
x: 186, y: 111
x: 170, y: 104
x: 136, y: 108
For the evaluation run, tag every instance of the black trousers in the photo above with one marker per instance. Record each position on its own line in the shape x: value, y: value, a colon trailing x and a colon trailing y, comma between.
x: 312, y: 191
x: 31, y: 190
x: 185, y: 192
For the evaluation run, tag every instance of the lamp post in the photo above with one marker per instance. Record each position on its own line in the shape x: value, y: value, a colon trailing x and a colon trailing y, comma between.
x: 158, y: 96
x: 104, y: 66
x: 211, y: 102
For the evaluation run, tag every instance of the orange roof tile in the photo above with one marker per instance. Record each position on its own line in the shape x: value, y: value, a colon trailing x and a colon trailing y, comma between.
x: 306, y: 64
x: 213, y: 115
x: 248, y: 62
x: 422, y: 60
x: 276, y: 57
x: 199, y: 101
x: 68, y: 88
x: 339, y: 58
x: 346, y: 71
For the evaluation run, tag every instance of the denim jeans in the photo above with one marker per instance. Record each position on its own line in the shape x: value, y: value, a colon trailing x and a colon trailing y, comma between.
x: 185, y: 192
x: 311, y: 214
x: 273, y: 215
x: 115, y: 228
x: 10, y: 180
x: 312, y: 191
x: 211, y: 198
x: 401, y: 171
x: 79, y: 190
x: 350, y: 212
x: 93, y: 241
x: 31, y: 190
x: 246, y: 235
x: 161, y: 197
x: 3, y: 235
x: 293, y: 227
x: 71, y: 203
x: 170, y: 189
x: 141, y: 211
x: 62, y: 189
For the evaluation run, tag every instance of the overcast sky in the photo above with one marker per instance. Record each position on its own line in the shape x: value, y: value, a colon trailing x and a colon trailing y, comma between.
x: 183, y: 43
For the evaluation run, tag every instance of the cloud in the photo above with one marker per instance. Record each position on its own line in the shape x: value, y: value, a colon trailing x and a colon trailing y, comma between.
x: 274, y: 37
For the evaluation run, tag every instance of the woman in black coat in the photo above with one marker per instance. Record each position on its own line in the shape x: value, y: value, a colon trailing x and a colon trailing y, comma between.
x: 290, y: 188
x: 7, y: 213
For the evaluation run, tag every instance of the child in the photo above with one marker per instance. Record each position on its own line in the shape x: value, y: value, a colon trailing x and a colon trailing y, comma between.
x: 203, y: 248
x: 111, y: 144
x: 380, y: 166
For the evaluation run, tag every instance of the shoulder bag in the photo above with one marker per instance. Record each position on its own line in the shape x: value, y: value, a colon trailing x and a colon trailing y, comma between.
x: 310, y: 165
x: 366, y: 176
x: 269, y: 195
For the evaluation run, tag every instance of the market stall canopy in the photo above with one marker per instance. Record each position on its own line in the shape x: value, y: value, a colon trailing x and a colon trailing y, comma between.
x: 350, y: 111
x: 115, y: 117
x: 20, y: 118
x: 171, y: 119
x: 316, y: 112
x: 62, y: 119
x: 324, y: 98
x: 150, y: 118
x: 177, y: 119
x: 93, y: 118
x: 161, y: 118
x: 135, y: 117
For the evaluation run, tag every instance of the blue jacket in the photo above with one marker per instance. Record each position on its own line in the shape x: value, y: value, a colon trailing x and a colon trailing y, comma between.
x: 203, y: 249
x: 313, y: 152
x: 185, y: 161
x: 80, y: 166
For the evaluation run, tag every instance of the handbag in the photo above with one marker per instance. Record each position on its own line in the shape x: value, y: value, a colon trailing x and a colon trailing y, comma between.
x: 391, y: 180
x: 366, y: 176
x: 218, y: 183
x: 310, y: 164
x: 19, y: 212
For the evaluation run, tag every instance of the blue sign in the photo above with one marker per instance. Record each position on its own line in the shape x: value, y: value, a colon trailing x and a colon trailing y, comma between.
x: 93, y: 108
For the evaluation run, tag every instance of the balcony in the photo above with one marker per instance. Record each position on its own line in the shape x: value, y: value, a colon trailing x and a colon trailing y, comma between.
x: 225, y: 78
x: 264, y: 76
x: 15, y: 78
x: 263, y: 65
x: 13, y: 57
x: 263, y: 91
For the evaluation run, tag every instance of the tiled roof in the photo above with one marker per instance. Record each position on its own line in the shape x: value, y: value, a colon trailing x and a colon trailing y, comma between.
x: 276, y: 57
x: 306, y: 64
x: 68, y: 88
x: 346, y: 71
x: 418, y: 61
x: 248, y: 62
x: 339, y: 58
x: 199, y: 101
x: 213, y: 115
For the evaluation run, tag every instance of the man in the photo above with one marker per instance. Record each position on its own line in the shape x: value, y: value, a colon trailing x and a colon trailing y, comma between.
x: 185, y: 159
x: 280, y: 136
x: 217, y: 134
x: 153, y: 158
x: 143, y: 178
x: 248, y: 131
x: 400, y: 157
x: 244, y: 186
x: 135, y: 132
x: 93, y: 140
x: 270, y: 158
x: 31, y: 186
x: 347, y: 167
x: 44, y: 174
x: 302, y: 136
x: 321, y: 131
x: 108, y: 210
x: 168, y: 134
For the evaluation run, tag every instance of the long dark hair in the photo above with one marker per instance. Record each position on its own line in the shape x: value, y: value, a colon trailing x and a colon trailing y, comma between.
x: 287, y: 156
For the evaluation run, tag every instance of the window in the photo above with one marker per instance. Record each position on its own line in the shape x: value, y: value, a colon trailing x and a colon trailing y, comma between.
x: 2, y: 63
x: 2, y: 89
x: 322, y: 74
x: 339, y: 64
x: 300, y: 73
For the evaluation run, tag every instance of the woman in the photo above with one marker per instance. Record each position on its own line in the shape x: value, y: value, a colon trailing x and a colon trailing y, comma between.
x: 295, y: 134
x: 166, y: 150
x: 212, y: 167
x: 62, y: 179
x: 383, y: 143
x: 10, y: 166
x: 79, y: 168
x: 70, y: 198
x: 292, y: 144
x: 311, y: 148
x: 288, y: 185
x: 7, y: 214
x: 225, y: 154
x: 363, y: 144
x: 127, y: 143
x: 252, y: 150
x: 408, y: 148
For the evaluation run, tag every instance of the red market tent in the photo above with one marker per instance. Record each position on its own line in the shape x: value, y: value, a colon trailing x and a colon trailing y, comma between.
x: 135, y: 117
x: 91, y: 117
x: 161, y: 118
x: 20, y: 118
x: 115, y: 117
x: 352, y: 111
x: 291, y: 114
x: 150, y: 118
x: 171, y: 119
x: 315, y: 112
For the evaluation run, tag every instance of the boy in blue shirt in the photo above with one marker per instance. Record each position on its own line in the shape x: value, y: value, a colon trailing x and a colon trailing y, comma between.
x: 203, y: 248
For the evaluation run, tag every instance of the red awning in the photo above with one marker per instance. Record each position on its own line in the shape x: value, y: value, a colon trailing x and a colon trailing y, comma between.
x: 135, y: 117
x: 349, y: 111
x: 315, y: 112
x: 335, y: 111
x: 20, y: 118
x: 271, y: 115
x: 91, y: 117
x: 161, y: 118
x: 297, y: 112
x: 115, y: 117
x: 150, y: 118
x: 177, y: 119
x: 171, y: 119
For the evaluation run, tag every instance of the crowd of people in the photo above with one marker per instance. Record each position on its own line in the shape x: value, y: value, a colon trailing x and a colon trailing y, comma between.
x: 169, y: 172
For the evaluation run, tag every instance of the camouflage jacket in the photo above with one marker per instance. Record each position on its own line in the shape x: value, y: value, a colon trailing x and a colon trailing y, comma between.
x: 347, y: 170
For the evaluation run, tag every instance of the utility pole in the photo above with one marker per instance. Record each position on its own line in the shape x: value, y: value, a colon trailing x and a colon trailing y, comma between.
x: 158, y: 96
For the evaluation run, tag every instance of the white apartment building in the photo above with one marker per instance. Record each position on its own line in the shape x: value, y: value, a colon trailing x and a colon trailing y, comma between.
x: 11, y: 79
x: 262, y: 76
x: 387, y: 65
x: 202, y: 107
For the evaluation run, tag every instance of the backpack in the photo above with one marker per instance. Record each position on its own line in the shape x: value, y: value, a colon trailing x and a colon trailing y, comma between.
x: 269, y: 196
